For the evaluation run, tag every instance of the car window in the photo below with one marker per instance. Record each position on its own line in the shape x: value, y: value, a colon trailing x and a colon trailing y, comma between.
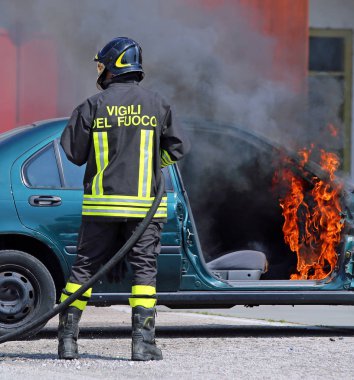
x: 41, y: 169
x: 73, y: 174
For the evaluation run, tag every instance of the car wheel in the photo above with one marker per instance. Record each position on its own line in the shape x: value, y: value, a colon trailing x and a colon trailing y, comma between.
x: 27, y: 291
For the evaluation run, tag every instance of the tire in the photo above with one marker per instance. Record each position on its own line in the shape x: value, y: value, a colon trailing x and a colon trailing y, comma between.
x: 27, y: 291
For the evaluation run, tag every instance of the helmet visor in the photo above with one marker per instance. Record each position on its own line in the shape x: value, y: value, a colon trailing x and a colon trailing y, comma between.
x: 100, y: 68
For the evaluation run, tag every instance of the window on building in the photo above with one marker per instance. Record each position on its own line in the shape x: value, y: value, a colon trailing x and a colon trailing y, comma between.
x: 330, y: 69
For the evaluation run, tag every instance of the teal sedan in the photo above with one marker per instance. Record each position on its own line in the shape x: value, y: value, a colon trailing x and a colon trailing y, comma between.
x: 244, y: 260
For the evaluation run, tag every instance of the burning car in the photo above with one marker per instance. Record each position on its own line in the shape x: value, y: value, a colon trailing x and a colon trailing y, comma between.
x: 275, y: 201
x: 252, y: 225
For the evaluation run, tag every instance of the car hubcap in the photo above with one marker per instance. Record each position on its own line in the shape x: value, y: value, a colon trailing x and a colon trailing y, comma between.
x: 17, y: 296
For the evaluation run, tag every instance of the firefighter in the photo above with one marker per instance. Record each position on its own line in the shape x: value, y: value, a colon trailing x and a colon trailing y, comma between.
x: 125, y: 134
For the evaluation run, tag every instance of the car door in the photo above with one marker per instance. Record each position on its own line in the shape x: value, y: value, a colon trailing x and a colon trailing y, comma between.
x: 46, y: 201
x: 48, y: 192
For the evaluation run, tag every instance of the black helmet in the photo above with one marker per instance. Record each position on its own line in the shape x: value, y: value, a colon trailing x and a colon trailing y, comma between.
x: 120, y: 56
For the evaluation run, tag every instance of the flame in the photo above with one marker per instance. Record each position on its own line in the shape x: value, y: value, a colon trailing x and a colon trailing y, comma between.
x: 312, y: 217
x: 333, y: 130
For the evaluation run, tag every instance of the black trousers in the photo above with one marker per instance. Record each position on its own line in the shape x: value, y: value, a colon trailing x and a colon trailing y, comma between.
x: 99, y: 241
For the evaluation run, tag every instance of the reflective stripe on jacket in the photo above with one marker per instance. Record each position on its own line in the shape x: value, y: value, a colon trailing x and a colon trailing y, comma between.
x: 125, y: 134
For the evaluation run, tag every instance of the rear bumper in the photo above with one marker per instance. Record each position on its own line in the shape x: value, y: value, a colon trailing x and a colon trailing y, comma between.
x: 231, y: 298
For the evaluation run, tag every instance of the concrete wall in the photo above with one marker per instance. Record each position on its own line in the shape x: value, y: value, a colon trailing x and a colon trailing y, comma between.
x: 335, y: 14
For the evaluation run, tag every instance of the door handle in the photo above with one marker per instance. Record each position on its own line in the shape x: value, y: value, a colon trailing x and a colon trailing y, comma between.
x: 44, y: 200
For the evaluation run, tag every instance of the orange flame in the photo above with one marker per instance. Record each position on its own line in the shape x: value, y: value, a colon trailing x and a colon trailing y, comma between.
x: 312, y: 218
x: 333, y: 130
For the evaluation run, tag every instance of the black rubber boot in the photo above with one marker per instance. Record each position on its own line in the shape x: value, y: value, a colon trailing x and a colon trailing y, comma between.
x: 143, y: 336
x: 68, y: 332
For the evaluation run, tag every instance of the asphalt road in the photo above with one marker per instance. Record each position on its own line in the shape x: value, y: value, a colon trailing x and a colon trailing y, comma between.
x: 194, y: 346
x: 309, y: 315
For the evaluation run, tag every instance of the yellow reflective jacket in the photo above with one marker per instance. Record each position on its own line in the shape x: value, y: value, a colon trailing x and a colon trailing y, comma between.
x: 125, y: 134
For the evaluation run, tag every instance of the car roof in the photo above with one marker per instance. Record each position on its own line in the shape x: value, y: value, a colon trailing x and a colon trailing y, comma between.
x: 19, y: 140
x: 33, y: 133
x: 25, y: 137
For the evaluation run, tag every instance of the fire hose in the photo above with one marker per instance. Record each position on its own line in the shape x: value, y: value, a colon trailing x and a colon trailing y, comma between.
x: 107, y: 267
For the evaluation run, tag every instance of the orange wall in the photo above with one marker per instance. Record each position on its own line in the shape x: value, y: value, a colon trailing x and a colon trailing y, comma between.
x: 7, y: 82
x: 28, y: 81
x: 37, y: 78
x: 287, y: 22
x: 30, y: 89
